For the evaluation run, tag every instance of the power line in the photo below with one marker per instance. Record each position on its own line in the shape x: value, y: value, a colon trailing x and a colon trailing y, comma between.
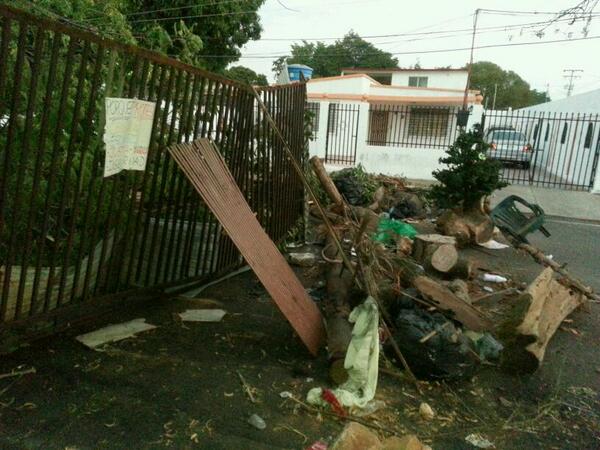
x: 426, y: 33
x: 195, y: 16
x: 174, y: 8
x: 422, y: 52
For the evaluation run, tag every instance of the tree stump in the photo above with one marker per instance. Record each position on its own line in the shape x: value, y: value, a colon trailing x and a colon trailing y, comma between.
x: 469, y: 227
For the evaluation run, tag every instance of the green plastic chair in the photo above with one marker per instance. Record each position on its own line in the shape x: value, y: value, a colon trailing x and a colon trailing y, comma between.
x: 513, y: 221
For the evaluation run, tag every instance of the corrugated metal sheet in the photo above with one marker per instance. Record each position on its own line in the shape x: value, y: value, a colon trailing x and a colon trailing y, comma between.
x: 203, y: 165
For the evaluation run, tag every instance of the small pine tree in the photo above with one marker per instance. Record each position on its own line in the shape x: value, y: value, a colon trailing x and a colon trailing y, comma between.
x: 470, y: 174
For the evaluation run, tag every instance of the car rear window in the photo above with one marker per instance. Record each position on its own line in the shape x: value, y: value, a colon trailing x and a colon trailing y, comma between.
x: 508, y: 136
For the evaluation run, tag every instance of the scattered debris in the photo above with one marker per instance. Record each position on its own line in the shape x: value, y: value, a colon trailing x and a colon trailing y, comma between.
x: 114, y: 333
x: 247, y: 388
x: 494, y: 245
x: 191, y: 290
x: 318, y: 445
x: 370, y: 408
x: 355, y: 436
x: 477, y: 440
x: 257, y: 422
x: 408, y: 442
x: 426, y: 412
x: 302, y: 259
x: 202, y: 315
x: 493, y: 278
x: 17, y: 373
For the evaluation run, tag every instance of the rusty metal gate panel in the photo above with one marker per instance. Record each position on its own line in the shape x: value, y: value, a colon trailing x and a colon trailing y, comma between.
x: 72, y: 240
x: 203, y: 165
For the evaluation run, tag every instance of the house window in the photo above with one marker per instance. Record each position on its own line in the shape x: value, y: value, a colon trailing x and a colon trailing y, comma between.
x: 588, y: 136
x: 378, y: 127
x: 314, y: 109
x: 417, y: 81
x: 428, y: 122
x: 563, y: 137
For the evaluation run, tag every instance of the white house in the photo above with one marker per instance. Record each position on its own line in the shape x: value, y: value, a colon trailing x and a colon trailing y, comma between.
x: 392, y: 121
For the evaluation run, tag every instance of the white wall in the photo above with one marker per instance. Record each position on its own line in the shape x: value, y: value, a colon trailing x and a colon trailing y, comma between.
x: 413, y: 163
x: 414, y: 92
x: 351, y: 85
x: 410, y: 162
x: 436, y: 79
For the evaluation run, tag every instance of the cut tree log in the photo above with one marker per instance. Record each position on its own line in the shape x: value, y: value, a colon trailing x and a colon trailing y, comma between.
x: 423, y: 241
x: 435, y: 294
x: 535, y: 317
x: 326, y: 182
x: 438, y: 252
x: 444, y: 299
x: 467, y: 227
x: 443, y: 258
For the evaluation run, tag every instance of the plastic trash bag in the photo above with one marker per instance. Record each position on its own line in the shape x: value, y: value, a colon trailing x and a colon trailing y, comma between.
x: 362, y: 360
x: 388, y: 230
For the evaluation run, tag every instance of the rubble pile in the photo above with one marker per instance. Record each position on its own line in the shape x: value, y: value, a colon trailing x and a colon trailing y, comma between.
x: 427, y: 287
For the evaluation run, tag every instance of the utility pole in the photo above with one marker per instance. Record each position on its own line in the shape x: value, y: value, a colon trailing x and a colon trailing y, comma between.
x: 471, y: 59
x: 495, y: 92
x: 570, y: 74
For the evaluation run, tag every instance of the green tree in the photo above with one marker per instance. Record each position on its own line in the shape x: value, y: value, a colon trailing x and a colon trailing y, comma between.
x: 511, y: 90
x: 246, y: 76
x: 469, y: 174
x: 206, y: 34
x: 329, y: 59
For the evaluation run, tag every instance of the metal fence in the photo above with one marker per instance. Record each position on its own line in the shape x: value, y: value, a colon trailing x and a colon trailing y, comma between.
x: 412, y: 126
x: 67, y: 234
x: 342, y: 133
x: 547, y: 149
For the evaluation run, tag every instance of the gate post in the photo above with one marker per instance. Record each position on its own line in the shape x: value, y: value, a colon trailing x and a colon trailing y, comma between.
x: 322, y: 130
x: 596, y: 185
x: 362, y: 131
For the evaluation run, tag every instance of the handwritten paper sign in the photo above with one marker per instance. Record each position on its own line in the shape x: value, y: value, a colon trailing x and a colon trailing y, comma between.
x: 127, y: 134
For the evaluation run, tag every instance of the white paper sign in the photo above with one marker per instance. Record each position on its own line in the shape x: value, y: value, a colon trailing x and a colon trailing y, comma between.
x: 127, y: 134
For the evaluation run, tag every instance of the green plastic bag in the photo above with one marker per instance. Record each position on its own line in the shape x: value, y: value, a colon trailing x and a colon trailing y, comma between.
x: 388, y: 230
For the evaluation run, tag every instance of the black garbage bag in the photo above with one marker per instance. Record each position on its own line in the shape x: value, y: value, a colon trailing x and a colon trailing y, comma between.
x: 354, y: 186
x: 406, y: 205
x: 446, y: 355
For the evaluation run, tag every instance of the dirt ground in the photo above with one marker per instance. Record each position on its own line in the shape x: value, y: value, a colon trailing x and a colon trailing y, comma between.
x: 179, y: 386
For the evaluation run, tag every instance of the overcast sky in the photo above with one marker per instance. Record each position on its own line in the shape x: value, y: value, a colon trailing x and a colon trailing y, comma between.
x: 540, y: 65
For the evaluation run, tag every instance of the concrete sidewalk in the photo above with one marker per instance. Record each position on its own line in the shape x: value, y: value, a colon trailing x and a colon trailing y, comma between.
x: 556, y: 202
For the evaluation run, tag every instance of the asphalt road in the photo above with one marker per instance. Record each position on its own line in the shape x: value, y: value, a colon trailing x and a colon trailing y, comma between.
x: 576, y: 244
x: 573, y: 359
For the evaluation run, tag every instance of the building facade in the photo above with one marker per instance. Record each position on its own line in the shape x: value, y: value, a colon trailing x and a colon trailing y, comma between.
x: 393, y: 121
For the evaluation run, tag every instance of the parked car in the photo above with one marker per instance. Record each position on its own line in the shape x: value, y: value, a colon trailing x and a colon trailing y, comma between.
x: 509, y: 145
